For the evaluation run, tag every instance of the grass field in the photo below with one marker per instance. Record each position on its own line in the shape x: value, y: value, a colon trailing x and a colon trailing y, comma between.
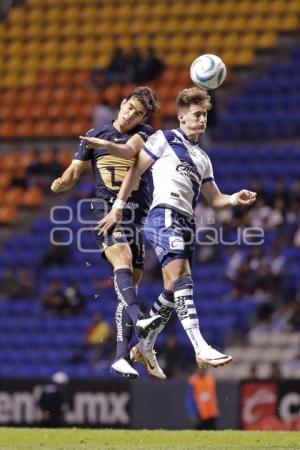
x: 79, y: 439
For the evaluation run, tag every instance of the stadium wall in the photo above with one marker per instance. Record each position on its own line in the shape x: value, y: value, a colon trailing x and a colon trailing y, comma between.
x: 152, y: 405
x: 114, y: 404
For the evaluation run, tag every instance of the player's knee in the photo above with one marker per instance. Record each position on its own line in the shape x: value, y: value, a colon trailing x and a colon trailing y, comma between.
x: 119, y: 257
x: 182, y: 283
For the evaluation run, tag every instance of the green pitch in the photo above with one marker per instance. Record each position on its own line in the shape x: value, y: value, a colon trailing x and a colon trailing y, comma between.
x: 79, y: 439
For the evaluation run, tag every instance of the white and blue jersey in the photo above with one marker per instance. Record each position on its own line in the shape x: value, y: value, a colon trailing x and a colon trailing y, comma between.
x: 180, y: 169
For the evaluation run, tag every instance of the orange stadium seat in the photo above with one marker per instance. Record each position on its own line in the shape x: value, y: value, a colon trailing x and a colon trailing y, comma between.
x: 7, y: 129
x: 8, y: 214
x: 5, y: 180
x: 79, y: 126
x: 14, y: 196
x: 65, y: 158
x: 26, y: 159
x: 43, y: 127
x: 24, y: 128
x: 32, y: 197
x: 10, y: 161
x: 6, y: 111
x: 53, y: 42
x: 61, y: 128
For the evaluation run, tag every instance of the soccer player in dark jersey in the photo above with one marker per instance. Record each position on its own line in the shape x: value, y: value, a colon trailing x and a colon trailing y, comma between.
x: 111, y: 149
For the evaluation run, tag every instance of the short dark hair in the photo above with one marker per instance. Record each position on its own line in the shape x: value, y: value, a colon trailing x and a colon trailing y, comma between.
x: 193, y: 96
x: 147, y: 97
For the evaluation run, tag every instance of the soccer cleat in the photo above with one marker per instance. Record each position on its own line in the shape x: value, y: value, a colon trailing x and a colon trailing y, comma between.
x: 148, y: 359
x: 123, y: 368
x: 143, y: 326
x: 212, y: 358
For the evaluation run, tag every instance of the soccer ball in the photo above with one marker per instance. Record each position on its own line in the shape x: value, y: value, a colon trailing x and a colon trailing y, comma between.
x: 208, y: 71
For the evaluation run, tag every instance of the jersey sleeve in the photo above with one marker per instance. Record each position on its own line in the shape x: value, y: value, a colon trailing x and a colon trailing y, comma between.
x: 155, y: 145
x: 83, y: 153
x: 208, y: 173
x: 145, y: 132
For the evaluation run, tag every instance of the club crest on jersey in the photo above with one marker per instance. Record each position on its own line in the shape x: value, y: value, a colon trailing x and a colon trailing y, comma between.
x: 117, y: 234
x: 189, y: 171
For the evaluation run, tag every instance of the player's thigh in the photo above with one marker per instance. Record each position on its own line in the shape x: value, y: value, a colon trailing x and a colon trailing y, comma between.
x: 167, y: 235
x: 175, y: 269
x: 119, y: 255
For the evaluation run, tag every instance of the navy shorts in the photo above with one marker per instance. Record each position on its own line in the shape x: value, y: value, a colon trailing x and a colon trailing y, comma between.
x: 129, y: 231
x: 171, y: 235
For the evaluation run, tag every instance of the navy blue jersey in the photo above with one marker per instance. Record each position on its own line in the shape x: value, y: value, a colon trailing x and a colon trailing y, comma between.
x: 110, y: 171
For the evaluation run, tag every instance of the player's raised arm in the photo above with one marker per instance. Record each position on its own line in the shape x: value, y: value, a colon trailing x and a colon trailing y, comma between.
x: 217, y: 200
x: 70, y: 176
x: 127, y: 151
x: 142, y: 163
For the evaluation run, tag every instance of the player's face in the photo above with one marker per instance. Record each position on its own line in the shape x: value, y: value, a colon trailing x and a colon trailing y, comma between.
x: 131, y: 113
x: 193, y: 120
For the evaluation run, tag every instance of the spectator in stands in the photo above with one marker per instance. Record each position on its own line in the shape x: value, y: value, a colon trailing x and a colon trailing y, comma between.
x: 25, y: 284
x: 100, y: 337
x: 296, y: 192
x: 54, y: 168
x: 118, y: 71
x: 244, y: 280
x: 98, y: 332
x: 256, y: 258
x: 202, y: 401
x: 5, y: 6
x: 54, y: 401
x: 293, y: 214
x: 236, y: 256
x: 8, y: 283
x: 277, y: 213
x: 275, y: 374
x: 19, y: 179
x: 294, y: 320
x: 296, y: 240
x: 152, y: 66
x: 104, y: 112
x: 172, y: 357
x: 281, y: 192
x: 56, y: 255
x: 17, y: 283
x: 135, y: 66
x: 74, y: 298
x: 37, y: 169
x: 55, y: 299
x: 277, y: 262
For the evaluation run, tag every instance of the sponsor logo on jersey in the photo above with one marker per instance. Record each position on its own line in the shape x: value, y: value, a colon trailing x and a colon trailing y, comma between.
x: 120, y: 140
x: 173, y: 194
x: 176, y: 243
x: 132, y: 205
x: 189, y: 171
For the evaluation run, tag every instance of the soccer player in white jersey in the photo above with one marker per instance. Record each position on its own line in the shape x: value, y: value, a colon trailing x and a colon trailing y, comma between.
x: 180, y: 168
